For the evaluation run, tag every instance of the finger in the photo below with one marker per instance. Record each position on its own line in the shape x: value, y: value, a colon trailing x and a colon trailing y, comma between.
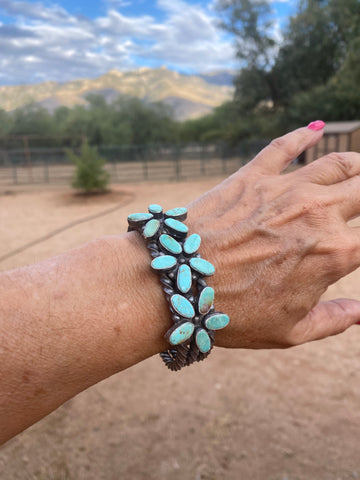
x: 332, y: 168
x: 326, y: 319
x: 282, y: 151
x: 348, y: 197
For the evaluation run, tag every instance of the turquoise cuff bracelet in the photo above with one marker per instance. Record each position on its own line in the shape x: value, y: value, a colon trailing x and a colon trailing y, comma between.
x: 183, y: 273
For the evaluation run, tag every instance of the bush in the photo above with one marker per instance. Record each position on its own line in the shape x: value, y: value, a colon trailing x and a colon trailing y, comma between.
x: 90, y: 176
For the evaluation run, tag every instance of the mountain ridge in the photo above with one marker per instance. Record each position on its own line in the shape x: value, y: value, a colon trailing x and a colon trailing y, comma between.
x: 190, y: 96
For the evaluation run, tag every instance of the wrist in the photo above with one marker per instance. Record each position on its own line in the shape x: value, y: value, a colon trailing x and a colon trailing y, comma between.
x: 143, y: 301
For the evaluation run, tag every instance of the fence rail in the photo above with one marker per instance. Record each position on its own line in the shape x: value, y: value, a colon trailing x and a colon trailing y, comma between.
x: 126, y: 164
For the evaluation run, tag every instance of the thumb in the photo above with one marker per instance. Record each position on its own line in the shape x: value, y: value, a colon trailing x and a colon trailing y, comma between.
x: 328, y: 318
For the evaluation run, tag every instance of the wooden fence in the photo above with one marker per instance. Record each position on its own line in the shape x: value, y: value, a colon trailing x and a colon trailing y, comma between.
x: 125, y: 164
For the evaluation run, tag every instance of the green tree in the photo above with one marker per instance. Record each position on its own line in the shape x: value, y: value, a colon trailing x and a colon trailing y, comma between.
x: 338, y: 99
x: 315, y: 72
x: 5, y: 123
x: 251, y: 24
x: 32, y: 120
x: 90, y: 175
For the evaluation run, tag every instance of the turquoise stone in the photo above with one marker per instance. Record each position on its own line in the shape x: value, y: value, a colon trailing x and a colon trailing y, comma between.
x: 217, y: 321
x: 177, y: 212
x: 192, y: 244
x: 182, y: 306
x: 202, y: 266
x: 206, y: 300
x: 163, y: 262
x: 176, y: 225
x: 170, y: 244
x: 139, y: 217
x: 154, y: 208
x: 184, y: 279
x: 202, y: 340
x: 181, y: 333
x: 151, y: 228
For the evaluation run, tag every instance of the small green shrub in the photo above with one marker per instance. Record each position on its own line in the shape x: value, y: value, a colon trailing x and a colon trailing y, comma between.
x: 90, y: 175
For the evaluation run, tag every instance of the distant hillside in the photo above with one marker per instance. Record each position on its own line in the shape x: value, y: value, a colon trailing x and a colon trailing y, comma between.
x: 190, y: 96
x: 224, y: 77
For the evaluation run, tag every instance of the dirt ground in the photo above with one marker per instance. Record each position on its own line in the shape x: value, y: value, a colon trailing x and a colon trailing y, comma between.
x: 240, y: 415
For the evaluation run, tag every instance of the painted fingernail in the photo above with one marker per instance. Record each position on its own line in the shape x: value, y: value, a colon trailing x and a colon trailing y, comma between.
x: 317, y: 125
x: 357, y: 323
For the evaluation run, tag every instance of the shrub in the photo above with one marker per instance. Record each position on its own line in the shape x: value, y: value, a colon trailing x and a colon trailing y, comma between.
x: 90, y: 175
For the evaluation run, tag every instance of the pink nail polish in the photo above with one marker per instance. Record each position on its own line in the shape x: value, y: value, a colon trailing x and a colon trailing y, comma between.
x: 317, y: 125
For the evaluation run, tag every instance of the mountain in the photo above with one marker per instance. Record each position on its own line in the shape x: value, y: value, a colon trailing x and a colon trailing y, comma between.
x: 190, y: 96
x: 222, y: 77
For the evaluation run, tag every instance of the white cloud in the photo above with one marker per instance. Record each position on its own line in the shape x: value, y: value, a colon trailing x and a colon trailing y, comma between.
x: 33, y: 11
x: 48, y: 43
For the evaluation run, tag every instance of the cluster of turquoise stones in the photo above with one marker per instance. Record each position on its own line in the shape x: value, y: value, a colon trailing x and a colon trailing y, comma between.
x: 183, y: 270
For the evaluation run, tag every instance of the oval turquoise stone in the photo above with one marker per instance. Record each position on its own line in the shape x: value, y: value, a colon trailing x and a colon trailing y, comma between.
x: 182, y: 306
x: 155, y: 208
x: 170, y: 244
x: 206, y: 300
x: 181, y: 333
x: 184, y: 279
x: 203, y: 341
x: 192, y: 244
x: 139, y: 217
x: 217, y: 321
x: 177, y: 212
x: 202, y: 266
x: 176, y: 225
x: 163, y: 262
x: 151, y: 228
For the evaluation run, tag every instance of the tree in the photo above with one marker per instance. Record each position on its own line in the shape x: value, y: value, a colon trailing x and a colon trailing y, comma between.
x: 251, y: 24
x: 338, y: 99
x: 32, y: 120
x: 314, y: 73
x: 310, y: 53
x: 90, y: 175
x: 5, y: 123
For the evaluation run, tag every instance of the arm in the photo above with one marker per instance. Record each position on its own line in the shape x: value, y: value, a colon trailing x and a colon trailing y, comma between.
x: 277, y: 241
x: 73, y: 320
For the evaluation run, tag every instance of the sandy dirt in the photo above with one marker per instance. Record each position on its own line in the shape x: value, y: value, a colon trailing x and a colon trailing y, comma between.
x: 240, y: 415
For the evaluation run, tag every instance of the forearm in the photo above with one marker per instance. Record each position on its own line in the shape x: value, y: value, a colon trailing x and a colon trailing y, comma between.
x: 73, y: 320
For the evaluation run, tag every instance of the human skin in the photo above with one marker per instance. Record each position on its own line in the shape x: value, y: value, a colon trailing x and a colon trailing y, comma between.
x: 277, y: 242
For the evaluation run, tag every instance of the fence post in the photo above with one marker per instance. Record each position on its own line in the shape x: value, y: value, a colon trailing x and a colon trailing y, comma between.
x: 14, y: 174
x: 202, y: 160
x: 145, y: 165
x: 223, y: 158
x: 114, y: 167
x: 177, y: 163
x: 28, y: 159
x: 46, y: 171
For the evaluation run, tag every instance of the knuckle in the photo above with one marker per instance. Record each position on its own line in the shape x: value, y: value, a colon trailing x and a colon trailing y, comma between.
x: 314, y: 201
x: 262, y: 184
x: 316, y: 207
x: 336, y: 316
x: 344, y: 163
x: 281, y: 144
x: 348, y: 250
x: 344, y: 254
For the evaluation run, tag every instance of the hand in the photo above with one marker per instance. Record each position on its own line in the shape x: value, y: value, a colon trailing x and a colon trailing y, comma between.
x: 278, y: 241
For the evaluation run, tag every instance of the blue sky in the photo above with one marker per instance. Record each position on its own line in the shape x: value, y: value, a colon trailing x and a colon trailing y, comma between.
x: 61, y: 40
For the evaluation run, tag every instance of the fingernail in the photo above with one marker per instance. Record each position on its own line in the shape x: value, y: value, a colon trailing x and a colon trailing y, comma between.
x: 357, y: 323
x: 317, y: 125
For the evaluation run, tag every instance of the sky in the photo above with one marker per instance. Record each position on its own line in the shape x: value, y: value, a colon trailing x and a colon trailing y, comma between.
x: 62, y: 40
